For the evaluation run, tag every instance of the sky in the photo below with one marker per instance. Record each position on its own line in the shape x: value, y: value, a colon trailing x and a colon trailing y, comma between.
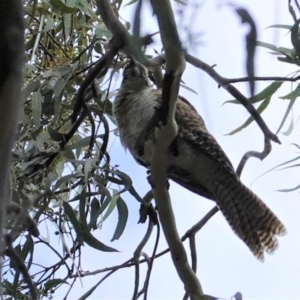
x: 225, y: 265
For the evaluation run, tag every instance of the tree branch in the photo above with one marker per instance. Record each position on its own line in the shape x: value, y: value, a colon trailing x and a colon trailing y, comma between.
x: 122, y: 39
x: 165, y: 135
x: 223, y: 82
x: 263, y: 78
x: 11, y: 64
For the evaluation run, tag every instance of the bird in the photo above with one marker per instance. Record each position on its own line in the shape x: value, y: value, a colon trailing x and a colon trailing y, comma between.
x: 199, y: 164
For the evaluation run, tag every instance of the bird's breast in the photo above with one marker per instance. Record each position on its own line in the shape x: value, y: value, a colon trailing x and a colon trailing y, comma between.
x: 133, y: 112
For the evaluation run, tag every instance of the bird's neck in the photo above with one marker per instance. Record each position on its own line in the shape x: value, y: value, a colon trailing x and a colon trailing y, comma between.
x: 135, y: 85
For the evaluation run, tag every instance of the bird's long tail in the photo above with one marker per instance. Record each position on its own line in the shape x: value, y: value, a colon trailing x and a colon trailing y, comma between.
x: 248, y: 216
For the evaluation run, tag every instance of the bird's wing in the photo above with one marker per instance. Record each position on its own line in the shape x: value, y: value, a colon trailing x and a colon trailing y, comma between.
x: 192, y: 129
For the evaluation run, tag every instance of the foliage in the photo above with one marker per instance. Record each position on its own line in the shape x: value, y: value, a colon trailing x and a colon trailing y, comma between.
x: 290, y: 56
x: 63, y: 170
x: 67, y: 178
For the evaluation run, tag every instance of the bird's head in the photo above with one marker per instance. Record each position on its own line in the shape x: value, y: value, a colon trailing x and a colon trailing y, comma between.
x: 135, y: 73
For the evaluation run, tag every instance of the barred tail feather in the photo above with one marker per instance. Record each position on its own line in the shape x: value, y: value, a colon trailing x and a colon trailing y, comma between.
x: 248, y: 216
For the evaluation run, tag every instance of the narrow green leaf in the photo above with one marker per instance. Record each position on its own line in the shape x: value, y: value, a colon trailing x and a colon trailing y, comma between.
x: 295, y: 95
x: 123, y: 217
x: 52, y: 283
x: 74, y: 221
x: 267, y: 92
x: 87, y: 194
x: 293, y: 61
x: 12, y: 263
x: 57, y: 4
x: 87, y: 294
x: 278, y: 50
x: 32, y: 14
x: 31, y: 87
x: 30, y: 247
x: 112, y: 204
x: 51, y: 177
x: 260, y: 109
x: 68, y: 177
x: 82, y: 206
x: 79, y: 143
x: 290, y: 129
x: 67, y: 25
x: 134, y: 193
x: 88, y: 164
x: 268, y: 46
x: 58, y: 92
x: 127, y: 182
x: 280, y: 26
x: 287, y: 51
x: 61, y: 71
x: 287, y: 96
x: 295, y: 36
x: 49, y: 24
x: 69, y: 155
x: 289, y: 167
x: 188, y: 88
x: 289, y: 190
x: 95, y: 208
x: 71, y: 3
x: 89, y: 239
x: 131, y: 2
x: 276, y: 167
x: 98, y: 212
x: 37, y: 108
x: 24, y: 251
x: 55, y: 135
x: 114, y: 180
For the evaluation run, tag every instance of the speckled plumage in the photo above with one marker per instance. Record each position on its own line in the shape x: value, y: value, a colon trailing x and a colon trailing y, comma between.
x: 201, y: 165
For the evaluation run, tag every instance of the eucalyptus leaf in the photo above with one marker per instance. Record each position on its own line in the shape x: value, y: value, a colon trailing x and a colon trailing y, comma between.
x: 260, y: 109
x: 294, y: 96
x: 122, y: 220
x: 74, y: 221
x: 37, y: 108
x: 59, y: 5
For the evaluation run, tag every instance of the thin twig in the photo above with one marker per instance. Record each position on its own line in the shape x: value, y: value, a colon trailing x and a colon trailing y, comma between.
x: 136, y: 257
x: 101, y: 66
x: 10, y: 251
x: 223, y: 82
x: 129, y: 263
x: 62, y: 259
x: 263, y: 78
x: 259, y: 155
x: 147, y: 279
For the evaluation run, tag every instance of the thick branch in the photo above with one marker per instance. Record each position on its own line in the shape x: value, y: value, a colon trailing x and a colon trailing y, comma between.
x: 11, y: 64
x: 165, y: 135
x: 122, y: 39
